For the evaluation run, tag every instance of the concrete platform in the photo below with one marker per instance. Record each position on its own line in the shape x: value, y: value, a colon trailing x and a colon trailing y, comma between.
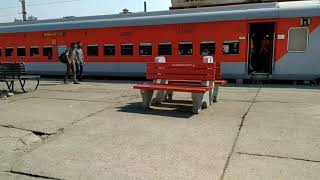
x: 266, y: 168
x: 98, y: 130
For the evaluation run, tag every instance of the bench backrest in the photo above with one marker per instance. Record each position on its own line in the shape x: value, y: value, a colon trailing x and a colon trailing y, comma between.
x: 181, y: 71
x: 12, y: 69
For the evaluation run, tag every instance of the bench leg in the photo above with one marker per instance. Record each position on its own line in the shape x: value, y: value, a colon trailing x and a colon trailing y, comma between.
x: 38, y: 83
x: 200, y: 100
x: 211, y: 93
x: 146, y: 98
x: 160, y: 97
x: 22, y: 83
x: 10, y: 85
x: 215, y: 94
x: 169, y: 95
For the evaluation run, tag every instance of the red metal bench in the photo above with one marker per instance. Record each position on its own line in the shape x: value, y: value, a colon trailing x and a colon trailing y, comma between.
x: 161, y: 73
x: 217, y: 83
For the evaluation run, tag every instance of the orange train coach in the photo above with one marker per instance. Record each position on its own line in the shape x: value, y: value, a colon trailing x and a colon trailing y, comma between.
x: 279, y: 39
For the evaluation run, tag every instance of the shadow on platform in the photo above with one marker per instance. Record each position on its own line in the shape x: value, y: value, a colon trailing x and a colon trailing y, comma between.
x: 165, y: 109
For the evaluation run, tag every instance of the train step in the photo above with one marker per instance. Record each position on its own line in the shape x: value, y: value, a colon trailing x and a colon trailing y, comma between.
x: 261, y: 76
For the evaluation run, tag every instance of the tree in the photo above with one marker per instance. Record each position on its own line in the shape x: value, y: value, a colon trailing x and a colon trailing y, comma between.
x: 125, y: 11
x: 17, y: 20
x: 32, y: 18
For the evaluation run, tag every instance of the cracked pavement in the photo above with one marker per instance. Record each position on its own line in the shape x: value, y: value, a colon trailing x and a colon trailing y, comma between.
x: 98, y: 130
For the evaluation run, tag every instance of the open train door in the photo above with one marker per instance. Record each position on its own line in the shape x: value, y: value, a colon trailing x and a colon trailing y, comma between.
x: 261, y: 49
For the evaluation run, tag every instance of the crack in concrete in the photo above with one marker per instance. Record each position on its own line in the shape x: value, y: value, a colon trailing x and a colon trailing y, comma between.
x: 90, y: 115
x: 279, y: 157
x: 256, y: 101
x: 66, y: 99
x: 238, y: 134
x: 281, y: 102
x: 75, y: 91
x: 232, y: 100
x: 25, y: 144
x: 45, y: 138
x: 37, y: 133
x: 32, y: 175
x: 16, y: 100
x: 247, y: 112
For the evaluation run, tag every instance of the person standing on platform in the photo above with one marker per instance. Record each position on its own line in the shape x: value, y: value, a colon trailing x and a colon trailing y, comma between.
x: 71, y: 63
x: 79, y: 60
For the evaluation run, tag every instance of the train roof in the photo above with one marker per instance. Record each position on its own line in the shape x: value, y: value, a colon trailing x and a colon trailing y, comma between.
x: 209, y: 14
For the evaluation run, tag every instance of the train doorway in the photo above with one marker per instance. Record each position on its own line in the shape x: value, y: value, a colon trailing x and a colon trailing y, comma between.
x: 261, y: 48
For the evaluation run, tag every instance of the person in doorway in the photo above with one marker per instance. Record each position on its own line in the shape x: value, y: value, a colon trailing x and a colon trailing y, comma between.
x: 205, y: 52
x: 265, y: 45
x: 71, y: 63
x: 79, y: 61
x: 265, y: 50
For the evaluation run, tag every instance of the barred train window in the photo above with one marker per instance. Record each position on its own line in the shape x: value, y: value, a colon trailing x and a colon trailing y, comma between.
x: 34, y: 51
x: 109, y: 50
x: 9, y: 52
x: 21, y: 52
x: 47, y: 51
x: 207, y: 48
x: 127, y: 50
x: 298, y: 39
x: 93, y: 50
x: 231, y: 47
x: 165, y: 49
x: 145, y: 49
x: 185, y: 48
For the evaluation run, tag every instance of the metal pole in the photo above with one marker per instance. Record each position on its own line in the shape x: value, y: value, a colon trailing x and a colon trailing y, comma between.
x: 145, y: 6
x: 24, y: 12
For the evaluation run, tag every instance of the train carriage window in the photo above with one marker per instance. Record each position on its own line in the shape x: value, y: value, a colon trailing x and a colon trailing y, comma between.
x: 48, y: 51
x: 231, y: 48
x: 0, y: 52
x: 109, y: 50
x: 298, y: 39
x: 34, y: 51
x: 127, y: 50
x: 93, y: 50
x: 21, y: 52
x: 62, y: 49
x: 145, y: 49
x: 9, y: 52
x: 165, y: 49
x: 207, y: 48
x: 185, y: 48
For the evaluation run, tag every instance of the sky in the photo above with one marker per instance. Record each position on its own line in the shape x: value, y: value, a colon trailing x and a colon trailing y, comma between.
x: 49, y: 9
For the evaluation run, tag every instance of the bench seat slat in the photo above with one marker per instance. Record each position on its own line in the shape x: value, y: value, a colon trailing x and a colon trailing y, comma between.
x: 29, y: 77
x: 191, y: 89
x: 6, y: 79
x: 181, y: 71
x: 180, y: 77
x: 217, y: 82
x: 181, y: 65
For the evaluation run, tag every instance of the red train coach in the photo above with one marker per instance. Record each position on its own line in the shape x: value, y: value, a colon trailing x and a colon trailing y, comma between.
x: 280, y: 40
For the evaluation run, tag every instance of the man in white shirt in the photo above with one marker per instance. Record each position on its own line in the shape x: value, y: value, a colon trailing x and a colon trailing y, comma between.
x: 79, y: 60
